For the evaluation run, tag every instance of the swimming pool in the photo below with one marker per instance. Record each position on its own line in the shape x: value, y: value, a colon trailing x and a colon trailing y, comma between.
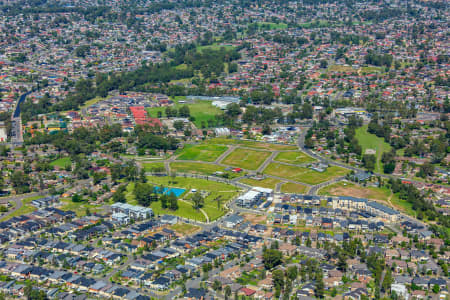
x: 176, y: 191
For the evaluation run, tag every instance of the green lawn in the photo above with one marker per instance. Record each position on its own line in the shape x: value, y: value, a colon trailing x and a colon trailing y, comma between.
x: 293, y: 188
x: 200, y: 168
x: 297, y: 157
x: 203, y: 152
x: 152, y: 167
x: 93, y: 101
x: 25, y: 209
x: 201, y: 110
x: 304, y: 175
x: 265, y: 183
x: 62, y: 162
x: 246, y: 159
x: 251, y: 144
x: 185, y: 210
x: 371, y: 141
x: 213, y: 189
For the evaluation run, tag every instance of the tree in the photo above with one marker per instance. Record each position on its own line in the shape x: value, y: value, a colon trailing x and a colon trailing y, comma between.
x: 272, y: 258
x: 227, y: 292
x: 143, y: 193
x: 292, y: 273
x: 278, y: 281
x: 436, y: 288
x: 198, y: 200
x: 178, y: 125
x: 369, y: 161
x: 20, y: 182
x: 387, y: 281
x: 173, y: 202
x: 119, y: 195
x: 320, y: 285
x: 216, y: 285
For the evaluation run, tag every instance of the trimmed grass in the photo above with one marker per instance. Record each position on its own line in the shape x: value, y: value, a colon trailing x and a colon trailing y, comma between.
x: 200, y: 168
x: 151, y: 167
x: 213, y: 189
x: 199, y: 109
x: 129, y: 196
x: 246, y: 159
x: 251, y: 144
x: 371, y: 141
x: 62, y: 162
x: 293, y: 188
x: 265, y: 183
x: 371, y: 69
x: 305, y: 175
x: 297, y: 157
x: 93, y: 101
x: 185, y: 210
x: 201, y: 152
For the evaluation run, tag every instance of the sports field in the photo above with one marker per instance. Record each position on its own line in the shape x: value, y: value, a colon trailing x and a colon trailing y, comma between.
x: 371, y: 141
x: 246, y: 158
x: 62, y: 162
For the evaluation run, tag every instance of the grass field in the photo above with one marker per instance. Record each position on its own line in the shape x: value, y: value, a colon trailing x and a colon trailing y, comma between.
x: 371, y: 141
x: 251, y: 144
x: 25, y: 209
x: 297, y: 157
x: 151, y: 167
x: 185, y: 210
x: 200, y: 110
x: 246, y: 159
x: 200, y: 168
x: 213, y: 189
x: 203, y: 152
x: 92, y: 102
x: 265, y: 183
x: 273, y: 26
x: 79, y: 207
x: 304, y: 175
x: 372, y: 69
x: 61, y: 162
x: 215, y: 47
x: 293, y: 188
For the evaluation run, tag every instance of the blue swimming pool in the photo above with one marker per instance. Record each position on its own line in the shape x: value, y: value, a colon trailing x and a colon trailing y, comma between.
x: 176, y: 191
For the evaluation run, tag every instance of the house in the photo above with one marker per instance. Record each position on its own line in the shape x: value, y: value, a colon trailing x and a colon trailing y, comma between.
x: 169, y: 219
x: 233, y: 220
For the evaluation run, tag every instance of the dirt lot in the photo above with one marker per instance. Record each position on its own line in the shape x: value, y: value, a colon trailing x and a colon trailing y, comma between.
x: 255, y: 219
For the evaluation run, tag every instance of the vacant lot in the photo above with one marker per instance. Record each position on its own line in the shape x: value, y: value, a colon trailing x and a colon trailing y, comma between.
x: 293, y: 188
x: 154, y: 167
x: 202, y: 152
x: 371, y: 141
x: 251, y: 144
x: 184, y: 228
x: 344, y: 188
x: 255, y: 219
x: 265, y: 183
x: 246, y: 159
x: 200, y: 168
x: 304, y: 175
x: 296, y: 157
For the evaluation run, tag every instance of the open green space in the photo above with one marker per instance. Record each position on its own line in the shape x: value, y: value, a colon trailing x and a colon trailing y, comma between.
x: 185, y: 228
x: 25, y: 209
x: 371, y: 69
x: 293, y: 188
x: 273, y: 26
x: 80, y: 208
x: 304, y: 175
x: 371, y: 141
x: 251, y: 144
x: 201, y: 168
x: 62, y: 162
x: 211, y: 190
x: 154, y: 167
x: 296, y: 157
x: 93, y: 101
x: 246, y: 158
x: 215, y: 47
x: 201, y: 110
x: 201, y: 152
x: 265, y: 183
x: 340, y: 68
